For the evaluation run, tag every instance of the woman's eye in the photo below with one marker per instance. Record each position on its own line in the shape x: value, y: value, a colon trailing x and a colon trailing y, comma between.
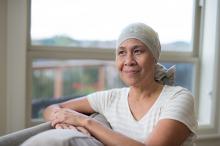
x: 121, y: 52
x: 137, y: 52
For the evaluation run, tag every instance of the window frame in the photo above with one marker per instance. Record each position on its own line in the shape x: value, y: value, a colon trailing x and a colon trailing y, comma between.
x: 68, y: 52
x: 211, y: 8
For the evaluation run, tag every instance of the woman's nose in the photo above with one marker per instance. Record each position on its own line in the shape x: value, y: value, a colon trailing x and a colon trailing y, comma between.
x: 129, y: 60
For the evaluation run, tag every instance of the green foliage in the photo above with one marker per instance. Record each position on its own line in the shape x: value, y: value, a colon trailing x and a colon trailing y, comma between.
x: 79, y: 80
x: 57, y: 41
x: 62, y: 40
x: 76, y: 81
x: 42, y: 85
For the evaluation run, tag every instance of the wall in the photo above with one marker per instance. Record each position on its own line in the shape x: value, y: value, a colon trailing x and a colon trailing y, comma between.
x: 2, y: 66
x: 208, y: 142
x: 16, y: 42
x: 13, y: 44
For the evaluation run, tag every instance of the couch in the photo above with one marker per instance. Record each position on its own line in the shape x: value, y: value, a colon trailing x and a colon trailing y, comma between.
x: 33, y: 136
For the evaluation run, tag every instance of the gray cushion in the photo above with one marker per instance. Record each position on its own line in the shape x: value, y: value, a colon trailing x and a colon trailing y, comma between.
x: 62, y: 137
x: 66, y: 137
x: 18, y: 137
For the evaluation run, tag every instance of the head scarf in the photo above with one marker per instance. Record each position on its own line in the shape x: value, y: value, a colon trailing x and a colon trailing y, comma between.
x: 149, y: 37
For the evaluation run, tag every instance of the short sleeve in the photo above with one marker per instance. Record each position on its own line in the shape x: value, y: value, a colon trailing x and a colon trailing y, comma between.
x: 99, y: 101
x: 181, y: 108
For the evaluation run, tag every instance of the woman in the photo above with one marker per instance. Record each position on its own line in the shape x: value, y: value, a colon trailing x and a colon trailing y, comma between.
x: 147, y: 113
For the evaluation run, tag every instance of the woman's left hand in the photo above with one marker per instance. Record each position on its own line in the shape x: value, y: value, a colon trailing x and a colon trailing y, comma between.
x: 69, y: 116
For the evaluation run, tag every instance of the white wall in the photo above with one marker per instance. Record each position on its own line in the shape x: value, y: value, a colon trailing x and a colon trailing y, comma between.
x: 16, y: 42
x: 13, y: 44
x: 2, y: 66
x: 209, y: 142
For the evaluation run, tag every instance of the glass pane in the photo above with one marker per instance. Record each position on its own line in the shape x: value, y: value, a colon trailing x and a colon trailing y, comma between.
x: 97, y: 23
x: 55, y: 81
x: 184, y: 74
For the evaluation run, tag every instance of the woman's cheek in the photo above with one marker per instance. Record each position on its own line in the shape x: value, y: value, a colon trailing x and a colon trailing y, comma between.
x: 119, y: 64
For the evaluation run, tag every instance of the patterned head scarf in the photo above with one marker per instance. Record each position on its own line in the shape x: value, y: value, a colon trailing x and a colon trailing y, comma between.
x: 145, y: 34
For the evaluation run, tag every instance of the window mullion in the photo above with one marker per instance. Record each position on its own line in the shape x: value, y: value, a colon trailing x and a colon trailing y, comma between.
x: 71, y: 53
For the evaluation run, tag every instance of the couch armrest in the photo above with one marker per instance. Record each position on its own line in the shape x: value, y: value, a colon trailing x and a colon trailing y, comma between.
x: 16, y: 138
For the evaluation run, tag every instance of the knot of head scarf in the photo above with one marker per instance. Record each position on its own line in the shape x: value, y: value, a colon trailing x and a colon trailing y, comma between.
x: 163, y: 75
x: 149, y: 37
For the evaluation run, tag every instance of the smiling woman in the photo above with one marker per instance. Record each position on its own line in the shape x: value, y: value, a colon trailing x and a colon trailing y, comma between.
x: 73, y: 42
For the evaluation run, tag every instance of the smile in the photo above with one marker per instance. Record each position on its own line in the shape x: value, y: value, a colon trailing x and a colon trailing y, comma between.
x: 131, y: 72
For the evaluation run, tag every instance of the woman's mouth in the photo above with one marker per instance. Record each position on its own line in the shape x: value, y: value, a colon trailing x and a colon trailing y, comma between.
x: 130, y: 72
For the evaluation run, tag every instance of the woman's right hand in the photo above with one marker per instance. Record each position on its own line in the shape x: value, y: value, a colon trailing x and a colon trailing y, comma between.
x: 51, y: 111
x: 67, y: 126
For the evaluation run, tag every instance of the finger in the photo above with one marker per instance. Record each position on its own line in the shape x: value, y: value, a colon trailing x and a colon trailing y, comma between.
x: 72, y: 127
x: 54, y: 122
x: 65, y: 126
x: 58, y: 126
x: 83, y: 130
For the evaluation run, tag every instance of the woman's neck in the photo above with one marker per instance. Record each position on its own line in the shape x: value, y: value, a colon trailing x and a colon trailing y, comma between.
x: 149, y: 90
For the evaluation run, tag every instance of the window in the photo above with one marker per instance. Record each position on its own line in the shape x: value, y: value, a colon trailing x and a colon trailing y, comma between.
x: 97, y: 23
x: 72, y: 44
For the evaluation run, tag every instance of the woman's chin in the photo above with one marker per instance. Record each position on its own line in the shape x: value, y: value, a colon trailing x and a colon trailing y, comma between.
x: 131, y: 82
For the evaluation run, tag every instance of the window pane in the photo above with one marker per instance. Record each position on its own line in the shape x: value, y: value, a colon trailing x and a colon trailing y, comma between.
x: 55, y: 80
x: 59, y: 80
x: 184, y: 74
x: 97, y: 23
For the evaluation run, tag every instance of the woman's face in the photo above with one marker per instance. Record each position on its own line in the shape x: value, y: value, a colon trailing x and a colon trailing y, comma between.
x: 135, y: 62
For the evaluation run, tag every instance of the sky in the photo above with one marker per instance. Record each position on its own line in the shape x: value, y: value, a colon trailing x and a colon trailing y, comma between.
x: 104, y: 19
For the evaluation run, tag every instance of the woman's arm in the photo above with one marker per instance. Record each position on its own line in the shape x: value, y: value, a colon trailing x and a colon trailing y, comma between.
x: 109, y: 137
x: 80, y: 105
x: 166, y: 133
x: 95, y: 128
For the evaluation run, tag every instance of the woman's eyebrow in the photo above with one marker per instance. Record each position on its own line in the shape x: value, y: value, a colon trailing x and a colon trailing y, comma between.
x: 137, y: 46
x: 121, y: 48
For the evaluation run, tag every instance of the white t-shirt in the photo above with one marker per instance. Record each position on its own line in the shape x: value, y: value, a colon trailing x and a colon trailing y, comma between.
x: 173, y: 103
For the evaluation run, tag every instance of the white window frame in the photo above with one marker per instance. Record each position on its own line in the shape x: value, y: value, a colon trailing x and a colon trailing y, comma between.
x: 54, y: 52
x: 21, y: 53
x: 210, y: 47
